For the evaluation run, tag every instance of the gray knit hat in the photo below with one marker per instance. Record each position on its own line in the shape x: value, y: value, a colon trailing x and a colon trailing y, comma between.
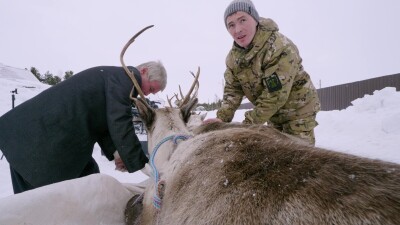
x: 241, y: 5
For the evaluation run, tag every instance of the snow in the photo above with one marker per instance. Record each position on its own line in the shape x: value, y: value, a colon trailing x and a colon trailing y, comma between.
x: 369, y: 128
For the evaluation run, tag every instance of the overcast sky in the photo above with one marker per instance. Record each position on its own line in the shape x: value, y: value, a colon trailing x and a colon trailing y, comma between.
x: 340, y: 41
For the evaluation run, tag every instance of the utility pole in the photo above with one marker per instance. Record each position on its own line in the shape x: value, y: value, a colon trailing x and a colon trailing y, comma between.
x: 13, y: 93
x: 13, y: 96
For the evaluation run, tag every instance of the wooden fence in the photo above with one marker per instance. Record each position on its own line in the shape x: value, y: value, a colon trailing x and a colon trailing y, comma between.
x: 340, y: 96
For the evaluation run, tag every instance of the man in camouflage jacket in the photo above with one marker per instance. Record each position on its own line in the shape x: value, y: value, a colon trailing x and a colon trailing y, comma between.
x: 265, y: 66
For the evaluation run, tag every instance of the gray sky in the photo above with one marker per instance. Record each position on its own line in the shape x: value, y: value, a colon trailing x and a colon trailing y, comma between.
x: 340, y: 41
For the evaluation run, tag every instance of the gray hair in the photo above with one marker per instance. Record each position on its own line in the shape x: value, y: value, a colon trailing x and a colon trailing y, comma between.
x: 156, y: 72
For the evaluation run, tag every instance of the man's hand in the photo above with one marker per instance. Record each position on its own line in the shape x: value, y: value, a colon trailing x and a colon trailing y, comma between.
x: 212, y: 120
x: 119, y: 164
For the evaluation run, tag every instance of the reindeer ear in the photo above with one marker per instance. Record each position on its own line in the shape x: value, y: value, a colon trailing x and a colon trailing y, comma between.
x: 186, y: 109
x: 203, y: 116
x: 146, y: 113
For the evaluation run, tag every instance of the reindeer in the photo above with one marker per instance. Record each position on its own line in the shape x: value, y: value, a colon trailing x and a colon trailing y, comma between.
x: 253, y: 174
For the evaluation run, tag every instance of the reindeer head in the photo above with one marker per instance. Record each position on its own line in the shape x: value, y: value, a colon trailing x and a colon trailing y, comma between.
x: 185, y: 106
x: 162, y: 123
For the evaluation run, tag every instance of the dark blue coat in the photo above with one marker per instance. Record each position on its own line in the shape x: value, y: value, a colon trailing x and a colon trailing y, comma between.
x: 50, y: 138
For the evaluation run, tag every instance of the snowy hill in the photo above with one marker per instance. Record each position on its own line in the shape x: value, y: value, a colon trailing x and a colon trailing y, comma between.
x: 23, y: 80
x: 12, y: 73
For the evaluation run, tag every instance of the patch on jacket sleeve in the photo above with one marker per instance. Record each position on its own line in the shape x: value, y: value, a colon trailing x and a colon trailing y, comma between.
x: 272, y: 83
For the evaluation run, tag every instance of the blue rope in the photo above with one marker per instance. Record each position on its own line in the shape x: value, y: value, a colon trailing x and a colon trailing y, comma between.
x: 174, y: 138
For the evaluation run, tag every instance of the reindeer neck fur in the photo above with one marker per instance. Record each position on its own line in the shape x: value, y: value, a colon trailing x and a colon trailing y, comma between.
x: 168, y: 121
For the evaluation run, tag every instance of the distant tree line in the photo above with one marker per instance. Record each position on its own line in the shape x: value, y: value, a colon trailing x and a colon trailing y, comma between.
x: 213, y: 105
x: 49, y: 78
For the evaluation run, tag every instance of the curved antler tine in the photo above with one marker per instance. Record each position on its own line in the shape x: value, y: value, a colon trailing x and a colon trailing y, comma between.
x: 129, y: 73
x: 180, y: 92
x: 169, y: 101
x: 187, y: 97
x: 197, y: 85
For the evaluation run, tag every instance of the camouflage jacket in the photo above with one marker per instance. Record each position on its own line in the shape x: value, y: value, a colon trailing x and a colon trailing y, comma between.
x: 270, y: 74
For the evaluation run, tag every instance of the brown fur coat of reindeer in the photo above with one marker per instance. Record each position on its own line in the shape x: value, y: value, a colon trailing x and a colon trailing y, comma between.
x: 241, y: 174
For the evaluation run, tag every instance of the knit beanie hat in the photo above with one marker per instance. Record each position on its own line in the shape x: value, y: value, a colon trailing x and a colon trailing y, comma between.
x: 246, y: 6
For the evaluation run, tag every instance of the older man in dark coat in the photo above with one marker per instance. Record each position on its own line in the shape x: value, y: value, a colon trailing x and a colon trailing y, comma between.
x: 50, y: 138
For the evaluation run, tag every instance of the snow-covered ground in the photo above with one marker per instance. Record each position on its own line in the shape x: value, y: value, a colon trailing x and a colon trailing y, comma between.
x: 370, y: 128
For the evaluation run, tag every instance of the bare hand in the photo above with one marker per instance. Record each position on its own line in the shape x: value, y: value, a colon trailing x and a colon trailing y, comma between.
x: 119, y: 165
x: 212, y: 120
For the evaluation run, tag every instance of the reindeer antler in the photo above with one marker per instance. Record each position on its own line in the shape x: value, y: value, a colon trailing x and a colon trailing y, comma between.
x: 129, y: 73
x: 169, y: 99
x: 185, y: 99
x: 196, y: 84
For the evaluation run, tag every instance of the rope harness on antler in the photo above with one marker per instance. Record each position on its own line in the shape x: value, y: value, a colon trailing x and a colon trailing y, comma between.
x: 157, y: 198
